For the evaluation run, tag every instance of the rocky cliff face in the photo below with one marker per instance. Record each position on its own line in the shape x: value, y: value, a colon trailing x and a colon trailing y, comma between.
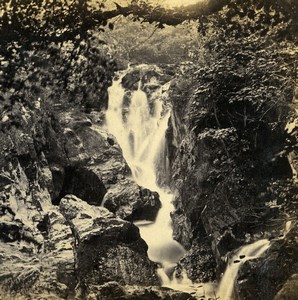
x: 52, y: 245
x: 228, y: 150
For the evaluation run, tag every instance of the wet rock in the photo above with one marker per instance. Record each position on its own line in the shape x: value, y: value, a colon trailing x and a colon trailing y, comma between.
x: 96, y: 171
x: 85, y: 142
x: 217, y: 222
x: 82, y: 215
x: 132, y: 202
x: 130, y: 81
x: 113, y: 290
x: 227, y: 242
x: 182, y: 229
x: 271, y: 275
x: 92, y: 163
x: 199, y: 262
x: 289, y: 289
x: 150, y: 77
x: 108, y: 248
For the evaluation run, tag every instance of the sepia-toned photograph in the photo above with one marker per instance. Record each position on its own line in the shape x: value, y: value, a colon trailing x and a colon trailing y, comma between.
x: 148, y: 149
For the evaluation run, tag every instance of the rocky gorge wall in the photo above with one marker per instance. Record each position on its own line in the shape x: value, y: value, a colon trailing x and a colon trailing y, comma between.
x: 58, y: 166
x: 229, y: 152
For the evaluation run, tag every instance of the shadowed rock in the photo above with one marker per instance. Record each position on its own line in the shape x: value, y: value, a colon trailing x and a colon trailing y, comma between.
x: 133, y: 203
x: 108, y: 248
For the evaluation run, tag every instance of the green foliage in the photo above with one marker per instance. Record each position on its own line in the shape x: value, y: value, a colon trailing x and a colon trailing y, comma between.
x: 54, y: 20
x: 233, y: 107
x: 74, y: 71
x: 48, y: 52
x: 249, y: 77
x: 255, y: 23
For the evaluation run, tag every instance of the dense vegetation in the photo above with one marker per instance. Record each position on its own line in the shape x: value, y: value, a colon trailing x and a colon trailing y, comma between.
x: 242, y: 93
x: 231, y: 167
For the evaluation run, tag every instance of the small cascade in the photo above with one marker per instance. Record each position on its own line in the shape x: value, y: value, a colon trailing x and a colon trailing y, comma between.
x: 244, y: 253
x: 247, y: 252
x: 140, y: 132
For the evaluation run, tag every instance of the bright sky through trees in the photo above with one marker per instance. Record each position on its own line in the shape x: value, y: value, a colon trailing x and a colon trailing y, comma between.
x: 165, y: 3
x: 175, y: 3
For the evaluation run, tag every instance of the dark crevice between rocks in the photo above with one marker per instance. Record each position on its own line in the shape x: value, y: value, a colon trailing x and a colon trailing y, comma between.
x: 28, y: 164
x: 10, y: 232
x: 44, y: 226
x: 81, y: 182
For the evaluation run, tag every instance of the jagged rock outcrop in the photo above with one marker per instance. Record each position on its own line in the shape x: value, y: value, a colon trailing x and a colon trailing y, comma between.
x: 82, y: 245
x: 199, y: 262
x: 38, y: 243
x: 226, y: 203
x: 37, y: 254
x: 277, y: 269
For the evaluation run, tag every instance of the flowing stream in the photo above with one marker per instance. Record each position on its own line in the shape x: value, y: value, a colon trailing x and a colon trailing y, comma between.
x: 140, y: 127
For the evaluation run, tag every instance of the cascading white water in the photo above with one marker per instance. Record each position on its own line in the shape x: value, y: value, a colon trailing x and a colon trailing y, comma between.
x: 247, y: 252
x: 141, y: 135
x: 244, y: 253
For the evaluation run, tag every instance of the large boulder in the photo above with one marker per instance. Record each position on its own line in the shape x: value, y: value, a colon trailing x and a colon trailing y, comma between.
x: 199, y: 262
x: 108, y: 248
x: 289, y: 289
x: 132, y: 202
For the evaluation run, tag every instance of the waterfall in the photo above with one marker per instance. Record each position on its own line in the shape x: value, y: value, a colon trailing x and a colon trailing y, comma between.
x: 247, y: 252
x: 139, y: 127
x: 140, y: 132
